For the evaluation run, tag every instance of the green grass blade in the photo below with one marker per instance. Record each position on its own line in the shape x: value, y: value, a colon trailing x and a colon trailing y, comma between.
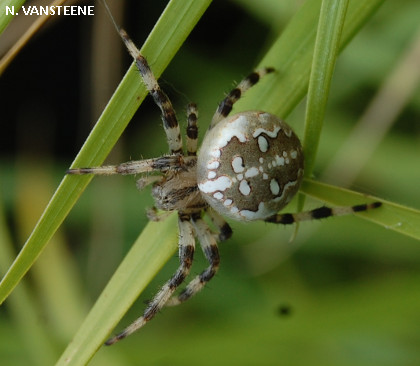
x: 146, y: 256
x: 402, y: 219
x: 6, y: 18
x: 23, y: 307
x: 330, y: 26
x: 176, y: 22
x: 292, y: 53
x: 331, y: 21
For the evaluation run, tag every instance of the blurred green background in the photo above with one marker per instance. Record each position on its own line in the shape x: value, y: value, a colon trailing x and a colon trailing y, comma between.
x: 343, y: 292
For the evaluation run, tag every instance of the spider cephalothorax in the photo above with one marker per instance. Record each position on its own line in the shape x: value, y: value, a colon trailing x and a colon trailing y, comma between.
x: 250, y: 166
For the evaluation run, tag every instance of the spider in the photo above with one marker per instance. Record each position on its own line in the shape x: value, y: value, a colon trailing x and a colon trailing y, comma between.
x: 250, y: 165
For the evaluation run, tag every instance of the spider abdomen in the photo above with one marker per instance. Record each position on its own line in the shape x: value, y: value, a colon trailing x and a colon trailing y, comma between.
x: 250, y: 166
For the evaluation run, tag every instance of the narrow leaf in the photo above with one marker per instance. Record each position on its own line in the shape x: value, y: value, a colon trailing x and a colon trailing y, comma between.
x: 331, y: 21
x: 146, y: 256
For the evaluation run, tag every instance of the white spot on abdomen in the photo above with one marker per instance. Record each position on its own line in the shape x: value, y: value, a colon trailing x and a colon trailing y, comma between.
x: 262, y: 144
x: 220, y: 184
x: 212, y: 174
x: 213, y: 164
x: 215, y: 153
x: 244, y: 188
x: 238, y: 164
x: 218, y: 195
x: 251, y: 172
x: 232, y: 129
x: 279, y: 160
x: 255, y: 215
x: 274, y: 187
x: 272, y: 134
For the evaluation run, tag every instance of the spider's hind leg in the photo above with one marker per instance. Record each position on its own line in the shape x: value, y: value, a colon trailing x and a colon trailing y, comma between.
x: 209, y: 246
x: 321, y: 213
x: 186, y: 254
x: 225, y: 231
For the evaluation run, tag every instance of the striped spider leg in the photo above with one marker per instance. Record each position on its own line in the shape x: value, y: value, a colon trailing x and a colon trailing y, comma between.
x: 250, y: 165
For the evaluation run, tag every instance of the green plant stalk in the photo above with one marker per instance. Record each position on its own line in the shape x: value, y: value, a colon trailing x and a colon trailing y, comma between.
x: 327, y: 42
x: 23, y: 308
x: 6, y: 18
x: 169, y: 33
x: 292, y: 55
x: 331, y: 22
x: 392, y: 216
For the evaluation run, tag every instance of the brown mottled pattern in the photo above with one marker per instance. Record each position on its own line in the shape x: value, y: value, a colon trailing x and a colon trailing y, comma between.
x: 250, y: 153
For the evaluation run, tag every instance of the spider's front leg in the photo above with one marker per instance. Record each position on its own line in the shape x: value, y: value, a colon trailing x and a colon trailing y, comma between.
x: 226, y: 105
x: 174, y: 162
x: 170, y: 123
x: 186, y: 253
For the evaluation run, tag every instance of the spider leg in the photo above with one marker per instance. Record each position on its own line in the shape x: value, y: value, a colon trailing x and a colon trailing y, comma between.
x: 170, y: 123
x: 321, y: 213
x: 161, y: 164
x: 186, y: 253
x: 226, y: 104
x: 192, y: 130
x: 209, y: 246
x: 225, y: 231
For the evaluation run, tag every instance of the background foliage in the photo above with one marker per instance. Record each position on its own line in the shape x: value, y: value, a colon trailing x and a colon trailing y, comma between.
x: 343, y: 292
